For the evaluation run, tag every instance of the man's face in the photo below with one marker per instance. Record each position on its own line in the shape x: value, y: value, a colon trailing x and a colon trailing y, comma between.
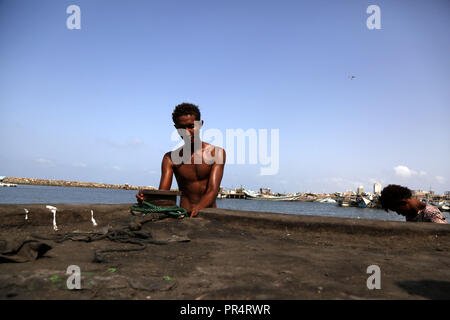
x: 186, y: 125
x: 404, y: 208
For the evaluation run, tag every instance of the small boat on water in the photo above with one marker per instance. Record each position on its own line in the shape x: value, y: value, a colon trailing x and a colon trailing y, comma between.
x: 326, y: 200
x: 344, y: 203
x: 279, y: 198
x: 7, y: 184
x: 257, y: 196
x: 443, y: 206
x: 251, y: 194
x: 348, y: 202
x: 364, y: 203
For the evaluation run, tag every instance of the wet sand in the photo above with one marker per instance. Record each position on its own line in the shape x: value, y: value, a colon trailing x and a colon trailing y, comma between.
x: 226, y: 254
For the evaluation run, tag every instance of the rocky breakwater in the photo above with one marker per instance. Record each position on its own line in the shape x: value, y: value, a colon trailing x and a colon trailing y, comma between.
x: 64, y: 183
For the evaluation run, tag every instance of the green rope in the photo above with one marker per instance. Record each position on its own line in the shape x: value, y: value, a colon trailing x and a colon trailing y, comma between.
x: 147, y: 207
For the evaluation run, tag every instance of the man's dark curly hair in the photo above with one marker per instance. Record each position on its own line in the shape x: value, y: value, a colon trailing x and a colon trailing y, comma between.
x: 392, y: 195
x: 186, y: 109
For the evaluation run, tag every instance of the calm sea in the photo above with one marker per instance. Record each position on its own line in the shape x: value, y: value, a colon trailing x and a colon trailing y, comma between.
x: 42, y: 194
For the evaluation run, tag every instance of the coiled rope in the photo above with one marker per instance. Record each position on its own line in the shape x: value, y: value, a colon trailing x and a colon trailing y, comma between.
x: 146, y: 207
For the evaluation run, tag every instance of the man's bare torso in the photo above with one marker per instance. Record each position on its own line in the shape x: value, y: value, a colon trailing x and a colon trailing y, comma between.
x: 193, y: 178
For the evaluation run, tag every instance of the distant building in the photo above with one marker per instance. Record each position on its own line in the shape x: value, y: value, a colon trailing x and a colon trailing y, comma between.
x: 376, y: 188
x: 447, y: 193
x: 360, y: 190
x: 420, y: 194
x: 349, y: 193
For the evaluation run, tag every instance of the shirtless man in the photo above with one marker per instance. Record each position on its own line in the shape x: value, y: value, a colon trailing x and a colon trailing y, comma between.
x: 198, y: 166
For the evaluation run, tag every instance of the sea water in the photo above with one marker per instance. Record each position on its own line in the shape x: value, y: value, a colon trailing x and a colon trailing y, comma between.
x: 54, y: 195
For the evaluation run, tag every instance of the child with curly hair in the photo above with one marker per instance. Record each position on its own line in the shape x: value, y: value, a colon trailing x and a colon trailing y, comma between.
x: 399, y: 199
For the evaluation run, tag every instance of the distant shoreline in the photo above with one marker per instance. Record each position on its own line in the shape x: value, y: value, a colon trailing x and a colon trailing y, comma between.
x: 65, y: 183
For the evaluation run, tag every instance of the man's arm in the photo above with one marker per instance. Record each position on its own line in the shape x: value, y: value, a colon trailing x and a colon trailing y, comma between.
x: 166, y: 173
x: 166, y: 177
x: 213, y: 186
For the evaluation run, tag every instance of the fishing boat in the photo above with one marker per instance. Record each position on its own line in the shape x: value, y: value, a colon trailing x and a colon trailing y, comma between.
x: 252, y: 195
x: 344, y: 203
x: 364, y: 203
x: 443, y: 206
x: 278, y: 198
x: 326, y: 200
x: 7, y: 184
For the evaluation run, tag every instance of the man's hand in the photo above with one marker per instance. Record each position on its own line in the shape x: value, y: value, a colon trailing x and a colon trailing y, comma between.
x: 140, y: 197
x: 194, y: 211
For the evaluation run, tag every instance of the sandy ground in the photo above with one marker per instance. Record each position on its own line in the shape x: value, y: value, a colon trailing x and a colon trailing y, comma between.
x: 225, y: 254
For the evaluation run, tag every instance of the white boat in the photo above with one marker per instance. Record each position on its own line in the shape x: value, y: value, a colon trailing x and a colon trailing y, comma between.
x: 278, y: 198
x: 257, y: 196
x: 251, y: 194
x: 344, y: 203
x: 7, y: 184
x: 327, y: 200
x: 443, y: 206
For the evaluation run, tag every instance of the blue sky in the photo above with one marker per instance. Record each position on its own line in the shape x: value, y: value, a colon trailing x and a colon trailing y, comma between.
x: 95, y: 104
